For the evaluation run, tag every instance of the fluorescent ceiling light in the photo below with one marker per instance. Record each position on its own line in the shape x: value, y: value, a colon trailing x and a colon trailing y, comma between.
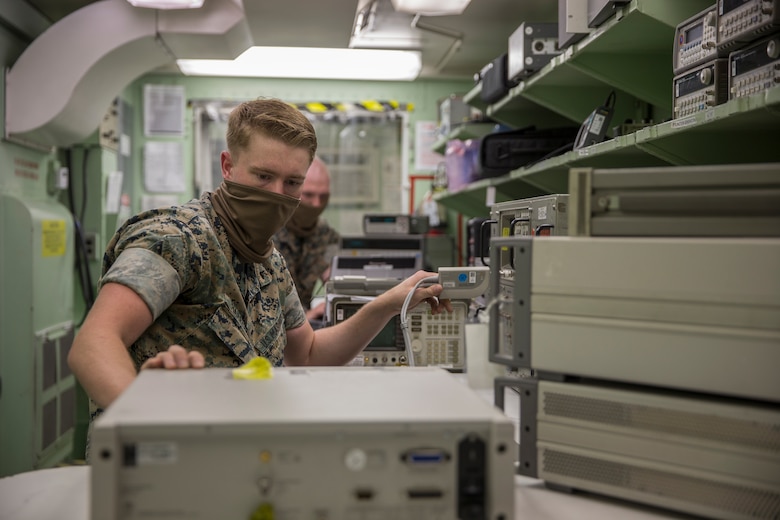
x: 431, y: 7
x: 311, y: 63
x: 167, y: 4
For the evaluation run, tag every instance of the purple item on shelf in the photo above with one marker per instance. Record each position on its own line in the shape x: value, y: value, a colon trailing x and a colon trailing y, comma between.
x: 461, y: 160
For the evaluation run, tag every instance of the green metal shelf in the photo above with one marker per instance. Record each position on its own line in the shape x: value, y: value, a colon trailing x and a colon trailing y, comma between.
x: 472, y: 97
x: 742, y: 130
x: 620, y: 152
x: 567, y: 91
x: 615, y: 57
x: 463, y: 132
x: 631, y: 54
x: 520, y: 113
x: 473, y: 200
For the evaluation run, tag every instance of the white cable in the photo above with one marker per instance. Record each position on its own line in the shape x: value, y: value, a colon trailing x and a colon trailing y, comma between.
x: 485, y: 314
x: 404, y: 310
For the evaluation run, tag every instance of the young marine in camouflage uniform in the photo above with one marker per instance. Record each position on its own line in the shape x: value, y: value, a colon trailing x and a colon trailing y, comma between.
x: 307, y: 242
x: 201, y: 284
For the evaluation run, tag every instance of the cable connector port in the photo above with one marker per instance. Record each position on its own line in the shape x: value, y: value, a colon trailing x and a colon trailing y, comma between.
x: 425, y: 456
x: 364, y: 494
x: 424, y: 493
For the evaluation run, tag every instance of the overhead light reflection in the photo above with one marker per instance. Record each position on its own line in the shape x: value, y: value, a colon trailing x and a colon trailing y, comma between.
x: 312, y: 63
x: 167, y: 4
x: 431, y: 7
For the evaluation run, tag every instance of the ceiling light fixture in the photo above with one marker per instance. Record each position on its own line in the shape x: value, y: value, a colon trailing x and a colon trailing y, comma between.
x: 312, y: 63
x: 167, y: 4
x: 431, y: 7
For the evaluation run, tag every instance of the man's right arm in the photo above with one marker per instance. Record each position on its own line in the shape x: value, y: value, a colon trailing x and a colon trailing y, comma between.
x: 99, y: 357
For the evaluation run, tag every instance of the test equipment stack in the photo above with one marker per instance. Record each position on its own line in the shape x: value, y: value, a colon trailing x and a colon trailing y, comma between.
x: 383, y: 245
x: 727, y: 51
x: 356, y: 280
x: 400, y: 234
x: 653, y: 332
x: 395, y: 224
x: 542, y: 216
x: 368, y: 266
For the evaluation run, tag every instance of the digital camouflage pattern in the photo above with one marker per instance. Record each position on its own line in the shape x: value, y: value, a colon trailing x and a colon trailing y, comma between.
x: 307, y: 257
x: 228, y: 310
x: 202, y: 297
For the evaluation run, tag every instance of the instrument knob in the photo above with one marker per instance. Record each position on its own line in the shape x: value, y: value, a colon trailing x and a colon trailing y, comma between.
x: 772, y: 49
x: 356, y: 459
x: 705, y: 76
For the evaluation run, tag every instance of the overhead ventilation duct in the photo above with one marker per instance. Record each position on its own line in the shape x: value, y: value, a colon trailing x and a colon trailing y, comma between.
x: 60, y: 87
x: 378, y: 26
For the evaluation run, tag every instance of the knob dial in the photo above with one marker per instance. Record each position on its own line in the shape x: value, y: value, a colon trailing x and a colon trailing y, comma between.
x: 355, y: 459
x: 772, y: 49
x: 705, y: 76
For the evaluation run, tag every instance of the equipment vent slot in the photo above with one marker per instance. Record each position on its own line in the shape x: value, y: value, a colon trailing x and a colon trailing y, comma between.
x: 663, y: 420
x: 750, y: 502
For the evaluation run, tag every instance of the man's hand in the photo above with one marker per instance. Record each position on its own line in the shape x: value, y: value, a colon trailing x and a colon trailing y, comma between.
x: 423, y: 293
x: 175, y: 357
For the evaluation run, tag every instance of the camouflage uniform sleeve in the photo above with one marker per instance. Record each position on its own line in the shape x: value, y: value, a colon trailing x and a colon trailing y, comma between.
x: 149, y: 275
x: 157, y: 256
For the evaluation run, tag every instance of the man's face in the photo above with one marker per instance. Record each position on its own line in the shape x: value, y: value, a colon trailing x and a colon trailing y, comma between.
x: 316, y: 187
x: 268, y: 164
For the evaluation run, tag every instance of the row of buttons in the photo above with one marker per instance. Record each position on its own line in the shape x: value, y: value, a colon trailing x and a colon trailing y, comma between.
x: 437, y: 339
x: 691, y: 104
x: 440, y: 352
x: 755, y: 82
x: 699, y: 50
x: 448, y: 329
x: 455, y: 315
x: 739, y: 21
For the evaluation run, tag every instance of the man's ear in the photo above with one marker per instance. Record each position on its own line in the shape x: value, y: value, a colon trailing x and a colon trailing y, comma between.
x: 226, y: 162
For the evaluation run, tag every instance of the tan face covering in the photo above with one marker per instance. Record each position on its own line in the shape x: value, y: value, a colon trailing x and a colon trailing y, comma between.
x: 251, y: 217
x: 304, y: 220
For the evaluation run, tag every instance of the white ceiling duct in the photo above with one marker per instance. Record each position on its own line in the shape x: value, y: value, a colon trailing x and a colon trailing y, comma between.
x: 61, y: 86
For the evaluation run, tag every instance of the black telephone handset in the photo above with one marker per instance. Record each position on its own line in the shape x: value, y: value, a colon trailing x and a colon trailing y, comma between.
x: 594, y: 129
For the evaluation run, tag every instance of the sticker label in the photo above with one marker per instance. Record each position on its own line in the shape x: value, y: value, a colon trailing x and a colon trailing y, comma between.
x: 148, y: 453
x: 53, y: 238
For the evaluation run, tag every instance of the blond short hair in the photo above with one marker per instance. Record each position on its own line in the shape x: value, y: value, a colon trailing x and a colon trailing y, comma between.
x: 275, y: 119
